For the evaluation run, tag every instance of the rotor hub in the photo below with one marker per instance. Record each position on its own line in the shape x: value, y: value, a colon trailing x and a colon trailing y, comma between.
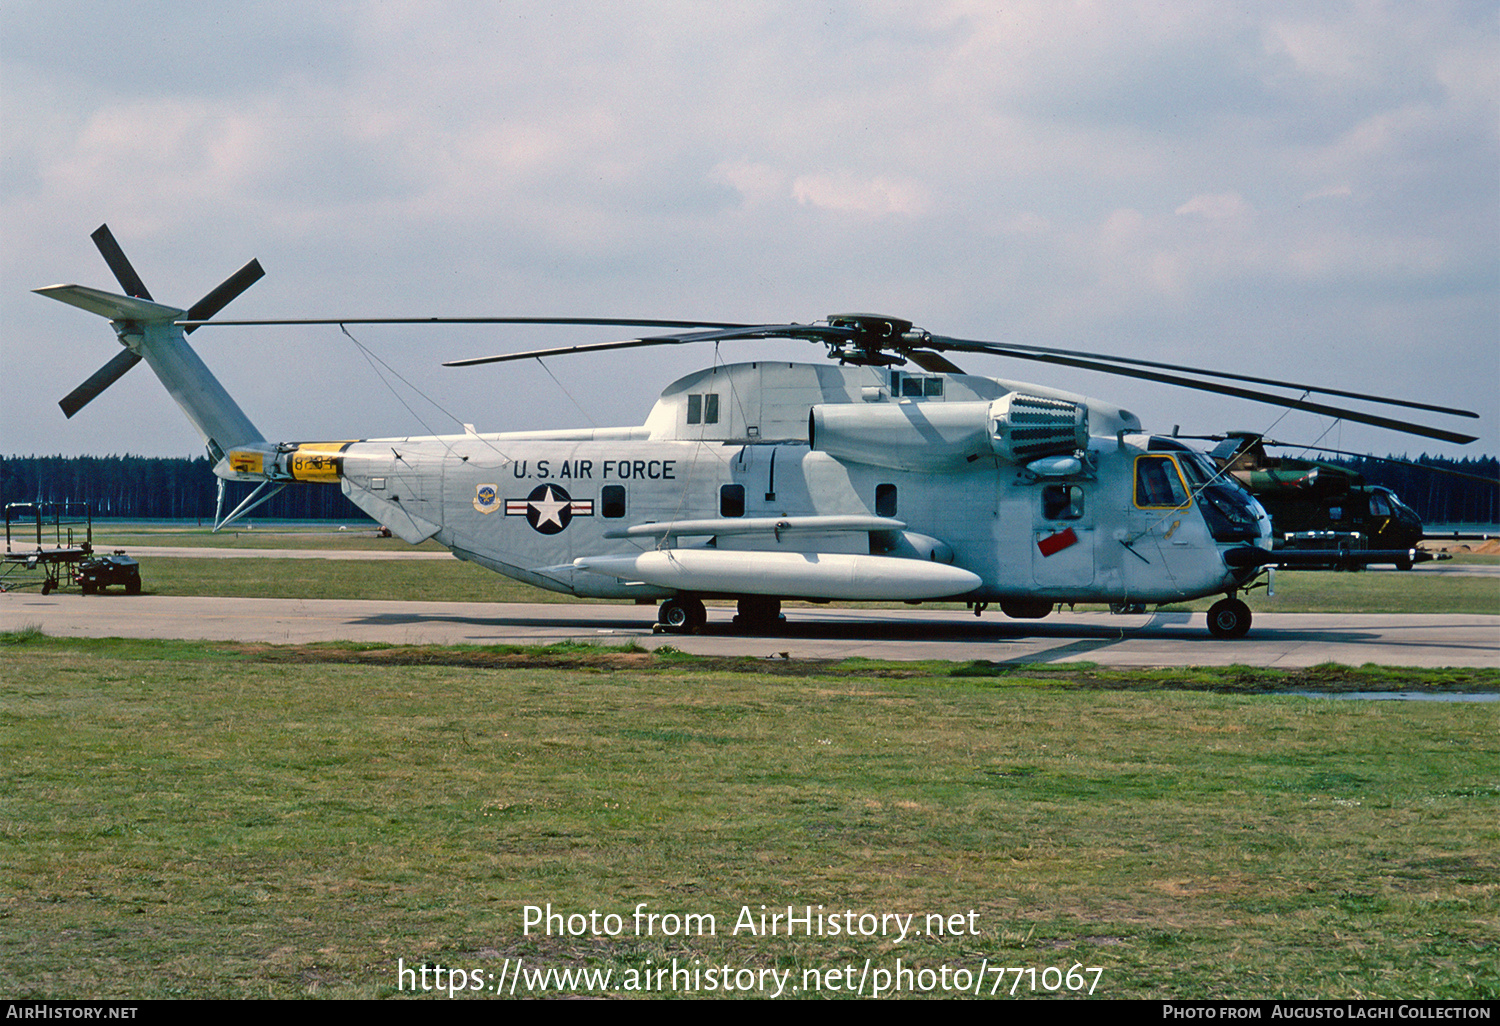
x: 878, y: 340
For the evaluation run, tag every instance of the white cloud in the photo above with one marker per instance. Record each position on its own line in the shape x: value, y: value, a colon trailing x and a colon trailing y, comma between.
x: 1221, y: 206
x: 847, y: 192
x: 757, y: 183
x: 1329, y: 192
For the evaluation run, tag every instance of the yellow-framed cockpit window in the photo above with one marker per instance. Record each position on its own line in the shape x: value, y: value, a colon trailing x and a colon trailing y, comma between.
x: 1159, y: 484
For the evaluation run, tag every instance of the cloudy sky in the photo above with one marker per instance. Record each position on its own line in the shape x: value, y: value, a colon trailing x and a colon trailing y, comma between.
x: 1280, y: 188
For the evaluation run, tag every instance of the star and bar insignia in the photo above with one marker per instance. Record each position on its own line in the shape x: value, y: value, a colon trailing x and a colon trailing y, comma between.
x: 549, y: 509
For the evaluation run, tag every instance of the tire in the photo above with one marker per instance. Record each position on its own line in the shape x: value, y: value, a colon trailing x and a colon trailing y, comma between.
x: 673, y: 615
x: 133, y: 586
x: 1229, y: 618
x: 699, y: 614
x: 1025, y: 608
x: 759, y: 613
x: 682, y: 615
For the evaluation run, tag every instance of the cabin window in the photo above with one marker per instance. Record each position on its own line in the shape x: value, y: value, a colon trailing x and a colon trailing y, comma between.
x: 1158, y: 483
x: 732, y: 500
x: 915, y: 385
x: 612, y: 501
x: 885, y: 500
x: 703, y: 408
x: 1062, y: 502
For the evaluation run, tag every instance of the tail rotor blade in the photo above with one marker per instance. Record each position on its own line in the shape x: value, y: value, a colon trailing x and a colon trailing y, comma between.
x: 225, y: 294
x: 99, y: 381
x: 114, y: 256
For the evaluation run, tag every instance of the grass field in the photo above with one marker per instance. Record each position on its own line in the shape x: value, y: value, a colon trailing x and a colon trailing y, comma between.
x: 195, y: 820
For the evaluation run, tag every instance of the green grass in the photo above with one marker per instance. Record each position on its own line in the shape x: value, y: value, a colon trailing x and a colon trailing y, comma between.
x: 197, y: 820
x: 268, y: 535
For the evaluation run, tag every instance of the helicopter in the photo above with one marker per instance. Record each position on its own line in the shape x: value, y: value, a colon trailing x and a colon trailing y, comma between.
x: 1314, y: 504
x: 888, y: 474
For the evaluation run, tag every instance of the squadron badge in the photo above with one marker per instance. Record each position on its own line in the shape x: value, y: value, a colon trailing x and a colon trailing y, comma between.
x: 487, y: 498
x: 549, y: 509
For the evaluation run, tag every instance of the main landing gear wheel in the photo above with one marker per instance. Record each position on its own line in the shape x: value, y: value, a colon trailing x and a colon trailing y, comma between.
x: 758, y: 613
x: 682, y: 615
x: 1025, y: 608
x: 1229, y: 618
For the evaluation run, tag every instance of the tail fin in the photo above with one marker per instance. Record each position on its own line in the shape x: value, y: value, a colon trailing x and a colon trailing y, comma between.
x: 148, y: 330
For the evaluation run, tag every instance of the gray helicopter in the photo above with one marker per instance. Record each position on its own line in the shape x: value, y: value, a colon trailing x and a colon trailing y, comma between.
x: 886, y: 475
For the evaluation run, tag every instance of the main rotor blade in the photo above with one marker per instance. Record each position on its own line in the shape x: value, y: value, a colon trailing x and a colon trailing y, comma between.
x: 1406, y: 427
x: 225, y: 294
x: 98, y: 382
x: 922, y: 348
x: 615, y: 322
x: 591, y: 347
x: 114, y: 256
x: 936, y: 363
x: 733, y: 332
x: 1010, y: 348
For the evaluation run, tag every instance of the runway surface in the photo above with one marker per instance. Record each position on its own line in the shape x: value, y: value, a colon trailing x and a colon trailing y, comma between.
x: 1290, y: 640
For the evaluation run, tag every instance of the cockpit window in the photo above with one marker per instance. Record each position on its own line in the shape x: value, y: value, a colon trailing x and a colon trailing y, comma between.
x: 1196, y: 468
x: 1158, y: 483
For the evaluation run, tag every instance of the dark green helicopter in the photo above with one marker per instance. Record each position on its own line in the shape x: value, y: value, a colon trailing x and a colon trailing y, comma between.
x: 1323, y: 508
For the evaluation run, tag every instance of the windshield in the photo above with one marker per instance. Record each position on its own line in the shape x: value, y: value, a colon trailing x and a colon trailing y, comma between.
x: 1196, y: 468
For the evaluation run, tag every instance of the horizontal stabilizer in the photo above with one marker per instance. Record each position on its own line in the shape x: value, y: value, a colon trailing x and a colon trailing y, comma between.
x: 725, y: 526
x: 108, y: 304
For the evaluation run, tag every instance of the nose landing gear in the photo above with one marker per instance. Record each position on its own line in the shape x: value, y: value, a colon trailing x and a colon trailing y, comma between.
x: 1229, y: 618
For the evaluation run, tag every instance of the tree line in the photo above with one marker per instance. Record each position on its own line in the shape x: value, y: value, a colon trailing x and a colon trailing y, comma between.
x: 150, y: 488
x: 146, y: 487
x: 1433, y: 488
